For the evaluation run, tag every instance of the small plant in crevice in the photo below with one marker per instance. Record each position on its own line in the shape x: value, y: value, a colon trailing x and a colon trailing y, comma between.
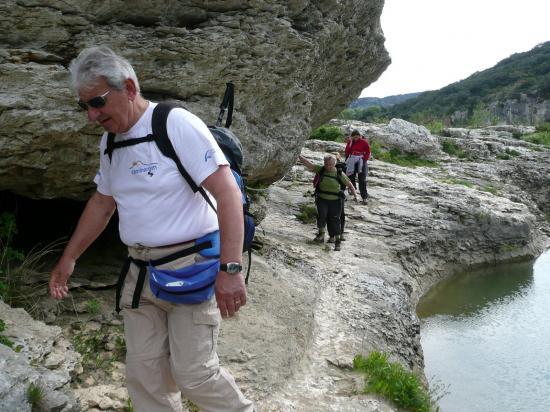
x: 455, y: 181
x: 21, y: 274
x: 307, y: 213
x: 4, y: 340
x: 392, y: 381
x: 35, y: 394
x: 99, y: 348
x: 191, y: 407
x: 93, y: 306
x: 395, y: 156
x: 119, y: 352
x: 489, y: 189
x: 128, y: 407
x: 452, y: 149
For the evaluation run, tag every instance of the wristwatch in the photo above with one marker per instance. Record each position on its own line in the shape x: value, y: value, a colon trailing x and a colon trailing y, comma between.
x: 231, y: 267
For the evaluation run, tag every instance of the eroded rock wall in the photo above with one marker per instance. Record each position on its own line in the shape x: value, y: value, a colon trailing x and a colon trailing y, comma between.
x: 295, y: 64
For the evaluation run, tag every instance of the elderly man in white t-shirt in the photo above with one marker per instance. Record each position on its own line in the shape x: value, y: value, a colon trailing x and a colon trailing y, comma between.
x: 171, y: 348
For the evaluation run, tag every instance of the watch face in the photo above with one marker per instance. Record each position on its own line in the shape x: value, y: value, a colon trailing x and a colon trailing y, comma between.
x: 233, y: 268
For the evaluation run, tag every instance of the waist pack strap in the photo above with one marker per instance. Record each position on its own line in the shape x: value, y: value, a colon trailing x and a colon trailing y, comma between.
x: 142, y: 265
x: 182, y: 253
x: 120, y: 282
x: 249, y: 264
x: 139, y: 283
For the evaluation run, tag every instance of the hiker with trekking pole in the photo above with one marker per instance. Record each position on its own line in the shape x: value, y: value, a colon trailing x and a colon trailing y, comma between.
x: 328, y: 198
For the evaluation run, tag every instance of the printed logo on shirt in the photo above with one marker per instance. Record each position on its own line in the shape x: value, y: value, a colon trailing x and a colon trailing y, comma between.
x: 138, y: 167
x: 208, y: 155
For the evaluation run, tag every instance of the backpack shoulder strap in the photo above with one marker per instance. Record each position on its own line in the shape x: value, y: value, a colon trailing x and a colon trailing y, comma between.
x: 110, y: 145
x: 160, y: 133
x: 320, y: 174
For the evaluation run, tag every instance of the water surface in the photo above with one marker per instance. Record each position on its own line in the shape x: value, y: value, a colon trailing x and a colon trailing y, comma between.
x: 486, y: 335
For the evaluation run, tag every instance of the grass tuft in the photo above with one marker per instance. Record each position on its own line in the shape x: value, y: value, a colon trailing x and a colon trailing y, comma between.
x: 393, y: 382
x: 402, y: 159
x: 35, y: 394
x: 308, y: 213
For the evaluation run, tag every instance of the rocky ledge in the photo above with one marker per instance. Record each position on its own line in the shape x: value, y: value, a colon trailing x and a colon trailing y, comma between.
x: 311, y: 310
x: 287, y: 59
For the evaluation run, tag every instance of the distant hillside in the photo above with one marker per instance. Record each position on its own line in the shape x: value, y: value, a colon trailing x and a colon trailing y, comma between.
x: 366, y: 102
x: 516, y: 90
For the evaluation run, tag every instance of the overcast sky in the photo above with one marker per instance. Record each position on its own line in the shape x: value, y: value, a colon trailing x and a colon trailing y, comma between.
x: 433, y: 43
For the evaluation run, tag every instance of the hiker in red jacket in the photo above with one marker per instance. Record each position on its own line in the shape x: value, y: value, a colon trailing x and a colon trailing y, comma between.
x: 357, y: 155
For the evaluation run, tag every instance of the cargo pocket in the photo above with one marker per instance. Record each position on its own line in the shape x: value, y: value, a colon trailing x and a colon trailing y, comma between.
x: 208, y: 316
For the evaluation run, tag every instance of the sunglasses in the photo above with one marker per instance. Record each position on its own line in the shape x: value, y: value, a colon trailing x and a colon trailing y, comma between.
x: 95, y: 102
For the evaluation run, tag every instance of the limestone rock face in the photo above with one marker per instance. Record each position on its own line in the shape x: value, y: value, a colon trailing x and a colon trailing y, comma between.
x: 295, y: 64
x: 44, y: 358
x: 397, y: 134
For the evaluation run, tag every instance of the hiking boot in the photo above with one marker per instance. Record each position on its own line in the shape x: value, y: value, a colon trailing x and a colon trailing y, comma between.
x: 364, y: 201
x: 331, y: 239
x: 337, y: 245
x: 320, y: 238
x: 342, y: 238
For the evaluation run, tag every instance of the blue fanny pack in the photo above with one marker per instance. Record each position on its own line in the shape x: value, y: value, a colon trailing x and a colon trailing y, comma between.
x: 190, y: 284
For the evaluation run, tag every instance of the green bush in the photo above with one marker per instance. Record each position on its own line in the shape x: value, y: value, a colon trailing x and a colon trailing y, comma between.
x: 435, y: 126
x: 392, y: 381
x: 327, y: 132
x: 452, y: 149
x: 543, y: 127
x: 540, y: 137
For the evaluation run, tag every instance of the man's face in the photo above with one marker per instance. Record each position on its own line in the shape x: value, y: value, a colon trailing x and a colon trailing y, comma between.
x: 355, y: 137
x: 114, y: 116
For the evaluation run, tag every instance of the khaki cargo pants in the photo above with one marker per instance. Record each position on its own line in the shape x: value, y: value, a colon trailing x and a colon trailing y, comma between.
x: 171, y: 348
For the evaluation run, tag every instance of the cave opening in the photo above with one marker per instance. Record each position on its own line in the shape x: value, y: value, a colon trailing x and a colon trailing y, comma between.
x: 42, y: 221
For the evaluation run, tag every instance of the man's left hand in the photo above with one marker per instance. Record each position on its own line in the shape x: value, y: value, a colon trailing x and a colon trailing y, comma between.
x: 230, y: 293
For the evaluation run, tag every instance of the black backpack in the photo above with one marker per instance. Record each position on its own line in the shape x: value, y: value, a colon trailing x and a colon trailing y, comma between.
x: 228, y: 142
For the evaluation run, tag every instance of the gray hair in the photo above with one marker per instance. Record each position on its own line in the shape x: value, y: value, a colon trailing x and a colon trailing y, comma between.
x: 94, y: 63
x: 329, y: 156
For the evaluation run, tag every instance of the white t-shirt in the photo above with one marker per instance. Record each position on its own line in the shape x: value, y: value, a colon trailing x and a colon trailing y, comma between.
x: 156, y: 206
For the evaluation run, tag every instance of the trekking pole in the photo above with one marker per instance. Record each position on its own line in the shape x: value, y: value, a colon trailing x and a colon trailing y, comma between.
x: 227, y: 104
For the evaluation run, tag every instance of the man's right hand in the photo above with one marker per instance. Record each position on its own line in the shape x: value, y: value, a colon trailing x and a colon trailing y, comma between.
x: 60, y: 274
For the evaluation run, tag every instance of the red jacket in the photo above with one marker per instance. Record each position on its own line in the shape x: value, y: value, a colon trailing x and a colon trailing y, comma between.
x: 358, y: 147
